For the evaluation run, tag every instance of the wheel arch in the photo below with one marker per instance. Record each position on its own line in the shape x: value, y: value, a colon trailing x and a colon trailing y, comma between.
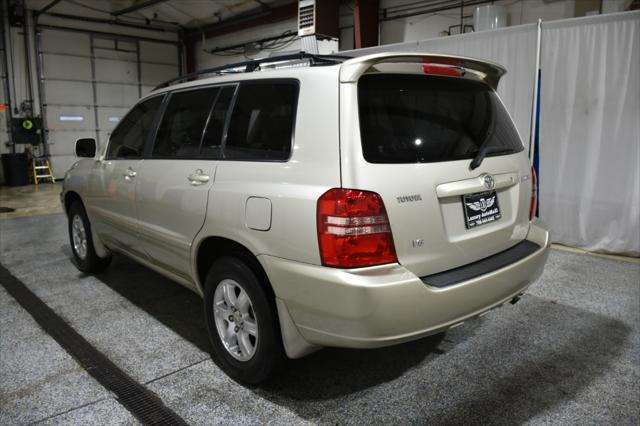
x: 211, y: 248
x: 69, y: 198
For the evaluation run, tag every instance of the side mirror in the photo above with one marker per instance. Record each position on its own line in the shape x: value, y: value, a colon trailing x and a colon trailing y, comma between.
x: 86, y: 148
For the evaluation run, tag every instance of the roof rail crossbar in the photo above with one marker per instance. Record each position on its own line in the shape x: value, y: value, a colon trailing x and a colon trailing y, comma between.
x: 254, y: 64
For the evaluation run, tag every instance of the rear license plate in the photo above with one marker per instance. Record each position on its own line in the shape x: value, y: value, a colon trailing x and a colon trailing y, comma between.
x: 480, y: 208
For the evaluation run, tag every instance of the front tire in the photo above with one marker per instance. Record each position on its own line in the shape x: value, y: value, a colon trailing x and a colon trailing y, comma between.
x: 242, y: 322
x: 85, y: 257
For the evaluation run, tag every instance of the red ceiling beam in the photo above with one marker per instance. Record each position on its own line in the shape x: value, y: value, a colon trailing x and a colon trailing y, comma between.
x: 365, y: 20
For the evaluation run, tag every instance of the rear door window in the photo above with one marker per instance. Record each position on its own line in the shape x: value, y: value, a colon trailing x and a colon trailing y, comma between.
x: 183, y: 122
x: 426, y: 119
x: 261, y: 126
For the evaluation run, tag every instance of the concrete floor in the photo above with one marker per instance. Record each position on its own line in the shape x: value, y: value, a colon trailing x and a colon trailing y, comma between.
x: 31, y: 200
x: 569, y: 352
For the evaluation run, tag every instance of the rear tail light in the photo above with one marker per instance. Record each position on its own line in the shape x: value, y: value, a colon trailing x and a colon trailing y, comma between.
x: 534, y: 194
x: 354, y: 229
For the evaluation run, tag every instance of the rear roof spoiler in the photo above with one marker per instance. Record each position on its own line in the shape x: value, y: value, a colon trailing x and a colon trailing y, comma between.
x: 352, y: 69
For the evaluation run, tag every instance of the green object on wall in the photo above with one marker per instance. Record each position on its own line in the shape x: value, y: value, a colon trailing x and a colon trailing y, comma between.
x: 27, y: 124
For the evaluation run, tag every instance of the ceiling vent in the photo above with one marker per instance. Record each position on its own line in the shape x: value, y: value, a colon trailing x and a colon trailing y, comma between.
x: 318, y: 17
x: 306, y: 17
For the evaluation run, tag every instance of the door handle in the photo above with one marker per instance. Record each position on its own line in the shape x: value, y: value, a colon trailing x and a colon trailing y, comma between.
x: 198, y: 177
x: 129, y: 174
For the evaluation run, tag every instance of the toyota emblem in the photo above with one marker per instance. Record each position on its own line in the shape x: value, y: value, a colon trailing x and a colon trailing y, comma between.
x: 489, y: 183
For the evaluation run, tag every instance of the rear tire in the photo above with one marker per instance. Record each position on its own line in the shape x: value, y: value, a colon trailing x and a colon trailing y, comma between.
x: 242, y: 322
x: 85, y: 257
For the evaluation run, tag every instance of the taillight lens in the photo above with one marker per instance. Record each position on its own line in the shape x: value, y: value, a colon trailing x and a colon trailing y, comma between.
x: 442, y: 70
x: 442, y: 66
x: 354, y: 229
x: 534, y: 194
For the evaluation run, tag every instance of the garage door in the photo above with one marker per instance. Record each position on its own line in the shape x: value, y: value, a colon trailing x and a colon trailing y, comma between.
x: 89, y: 82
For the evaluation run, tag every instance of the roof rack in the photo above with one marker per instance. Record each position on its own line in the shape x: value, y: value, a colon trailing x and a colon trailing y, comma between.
x: 254, y: 64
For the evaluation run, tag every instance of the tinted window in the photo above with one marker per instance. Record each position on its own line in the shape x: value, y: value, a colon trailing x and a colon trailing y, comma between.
x: 129, y: 138
x: 424, y: 119
x: 262, y: 122
x: 212, y: 141
x: 183, y: 122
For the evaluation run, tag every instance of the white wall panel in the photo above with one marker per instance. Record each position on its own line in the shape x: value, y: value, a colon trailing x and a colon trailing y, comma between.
x: 112, y: 44
x: 116, y: 95
x: 108, y: 118
x: 158, y: 52
x: 115, y: 54
x: 54, y: 122
x: 116, y: 71
x: 153, y: 74
x: 68, y: 92
x: 106, y: 27
x: 426, y: 26
x: 65, y: 42
x: 66, y: 67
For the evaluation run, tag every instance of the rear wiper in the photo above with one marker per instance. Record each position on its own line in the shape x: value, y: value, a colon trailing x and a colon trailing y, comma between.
x: 482, y: 152
x: 486, y: 150
x: 482, y: 149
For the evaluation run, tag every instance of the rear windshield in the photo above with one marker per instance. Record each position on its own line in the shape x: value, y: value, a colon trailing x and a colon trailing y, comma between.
x: 427, y: 119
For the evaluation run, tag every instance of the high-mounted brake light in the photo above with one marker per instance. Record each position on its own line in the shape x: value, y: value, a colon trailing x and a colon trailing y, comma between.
x: 442, y: 66
x: 442, y: 70
x: 354, y: 229
x: 533, y: 203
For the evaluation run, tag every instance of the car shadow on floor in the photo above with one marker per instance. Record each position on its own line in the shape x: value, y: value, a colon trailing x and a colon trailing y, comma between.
x: 502, y: 370
x: 341, y: 371
x: 520, y: 361
x: 336, y: 372
x: 175, y: 306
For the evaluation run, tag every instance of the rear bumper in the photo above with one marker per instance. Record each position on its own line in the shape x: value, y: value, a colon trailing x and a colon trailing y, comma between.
x: 385, y: 305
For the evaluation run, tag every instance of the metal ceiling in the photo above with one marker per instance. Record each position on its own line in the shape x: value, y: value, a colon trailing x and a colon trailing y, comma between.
x: 183, y: 14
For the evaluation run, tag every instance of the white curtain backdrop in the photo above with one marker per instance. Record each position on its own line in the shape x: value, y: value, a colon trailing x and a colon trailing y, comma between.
x: 512, y: 47
x: 590, y: 132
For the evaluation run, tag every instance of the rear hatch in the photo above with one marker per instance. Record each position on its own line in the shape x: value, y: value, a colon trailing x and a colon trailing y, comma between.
x: 409, y: 132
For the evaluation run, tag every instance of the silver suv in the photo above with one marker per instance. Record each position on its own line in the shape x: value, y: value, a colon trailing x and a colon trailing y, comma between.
x: 318, y: 201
